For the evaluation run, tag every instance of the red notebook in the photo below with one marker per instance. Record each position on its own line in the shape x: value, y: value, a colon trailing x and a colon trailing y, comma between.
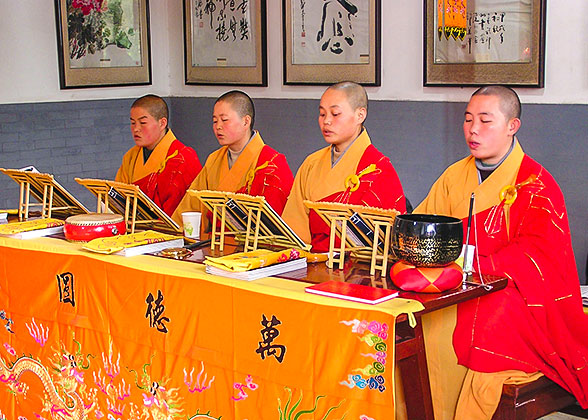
x: 354, y: 292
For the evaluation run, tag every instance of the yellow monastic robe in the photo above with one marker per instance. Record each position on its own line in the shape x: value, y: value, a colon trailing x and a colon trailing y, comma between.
x: 450, y: 194
x: 259, y: 170
x: 481, y: 388
x: 316, y: 181
x: 133, y: 167
x: 445, y: 375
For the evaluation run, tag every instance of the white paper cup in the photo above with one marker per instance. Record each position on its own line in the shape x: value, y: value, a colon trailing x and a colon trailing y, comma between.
x: 191, y: 221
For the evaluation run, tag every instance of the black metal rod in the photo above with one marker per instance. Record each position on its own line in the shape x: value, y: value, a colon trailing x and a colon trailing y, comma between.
x: 467, y: 241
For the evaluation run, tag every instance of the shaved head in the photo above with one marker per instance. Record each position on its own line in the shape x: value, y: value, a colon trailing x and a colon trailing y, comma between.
x: 355, y: 93
x: 240, y: 102
x: 510, y: 104
x: 154, y: 105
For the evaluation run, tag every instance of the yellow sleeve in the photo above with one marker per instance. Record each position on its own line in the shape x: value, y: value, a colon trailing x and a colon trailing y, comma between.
x: 124, y: 172
x: 295, y: 212
x: 121, y: 176
x: 437, y: 201
x: 189, y: 202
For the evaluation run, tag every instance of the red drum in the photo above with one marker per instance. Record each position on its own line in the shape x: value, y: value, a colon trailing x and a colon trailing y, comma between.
x: 85, y: 227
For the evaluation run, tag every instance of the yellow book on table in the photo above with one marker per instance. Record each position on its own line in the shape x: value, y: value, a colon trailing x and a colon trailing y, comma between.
x: 139, y: 243
x: 256, y: 264
x: 35, y: 228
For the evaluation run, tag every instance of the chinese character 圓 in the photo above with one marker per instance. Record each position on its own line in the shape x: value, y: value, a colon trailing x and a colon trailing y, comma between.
x: 65, y: 282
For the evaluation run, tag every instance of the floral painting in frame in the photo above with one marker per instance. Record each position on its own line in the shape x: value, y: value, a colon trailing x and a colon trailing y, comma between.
x: 103, y: 43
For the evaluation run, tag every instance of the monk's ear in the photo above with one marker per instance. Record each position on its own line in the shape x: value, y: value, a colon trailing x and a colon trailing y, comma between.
x: 361, y: 114
x: 247, y: 120
x: 162, y: 123
x: 513, y: 126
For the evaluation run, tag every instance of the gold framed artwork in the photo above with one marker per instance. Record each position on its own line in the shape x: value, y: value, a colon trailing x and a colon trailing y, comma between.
x: 103, y: 43
x: 483, y: 42
x: 225, y: 42
x: 333, y: 41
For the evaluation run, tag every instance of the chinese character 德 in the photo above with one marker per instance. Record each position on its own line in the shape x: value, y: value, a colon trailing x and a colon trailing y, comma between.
x: 154, y: 312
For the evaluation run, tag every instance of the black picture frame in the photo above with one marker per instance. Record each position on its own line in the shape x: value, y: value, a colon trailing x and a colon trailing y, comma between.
x: 367, y: 74
x: 516, y: 73
x: 223, y: 73
x: 70, y: 21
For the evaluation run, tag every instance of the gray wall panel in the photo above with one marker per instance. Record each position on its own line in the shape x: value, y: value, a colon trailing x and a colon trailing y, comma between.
x: 88, y: 139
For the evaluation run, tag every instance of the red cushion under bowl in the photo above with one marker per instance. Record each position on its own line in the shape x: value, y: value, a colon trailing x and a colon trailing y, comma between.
x: 424, y: 279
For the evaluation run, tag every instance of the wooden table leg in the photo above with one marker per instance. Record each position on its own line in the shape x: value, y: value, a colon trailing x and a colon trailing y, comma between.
x: 412, y: 362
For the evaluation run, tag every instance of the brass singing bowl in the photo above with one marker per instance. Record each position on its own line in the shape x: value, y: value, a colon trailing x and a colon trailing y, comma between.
x: 426, y: 240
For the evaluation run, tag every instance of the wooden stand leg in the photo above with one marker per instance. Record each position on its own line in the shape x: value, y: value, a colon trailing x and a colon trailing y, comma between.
x: 50, y: 203
x: 134, y: 217
x: 330, y: 261
x: 257, y: 225
x: 21, y: 212
x: 213, y: 234
x: 412, y: 362
x: 342, y: 248
x: 332, y: 247
x: 44, y: 204
x: 27, y: 201
x: 221, y: 246
x: 376, y: 257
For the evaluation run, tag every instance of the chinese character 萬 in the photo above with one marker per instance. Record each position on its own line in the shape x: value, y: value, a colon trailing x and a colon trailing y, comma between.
x: 269, y: 333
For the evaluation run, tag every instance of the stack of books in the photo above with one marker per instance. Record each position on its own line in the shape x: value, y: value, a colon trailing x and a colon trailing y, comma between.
x: 34, y: 228
x: 258, y: 273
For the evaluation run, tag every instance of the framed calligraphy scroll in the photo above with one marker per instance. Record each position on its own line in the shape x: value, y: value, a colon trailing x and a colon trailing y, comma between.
x: 326, y: 42
x: 483, y: 42
x: 103, y: 44
x: 225, y: 42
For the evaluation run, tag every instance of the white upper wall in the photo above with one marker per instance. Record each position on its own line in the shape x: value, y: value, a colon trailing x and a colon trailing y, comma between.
x: 29, y: 69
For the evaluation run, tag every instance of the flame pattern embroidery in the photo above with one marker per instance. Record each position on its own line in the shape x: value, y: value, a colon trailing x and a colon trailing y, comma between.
x: 198, y: 386
x: 38, y: 332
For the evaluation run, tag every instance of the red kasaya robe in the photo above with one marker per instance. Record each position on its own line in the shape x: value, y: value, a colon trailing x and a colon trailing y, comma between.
x: 537, y: 323
x: 166, y: 175
x: 316, y: 180
x: 259, y: 170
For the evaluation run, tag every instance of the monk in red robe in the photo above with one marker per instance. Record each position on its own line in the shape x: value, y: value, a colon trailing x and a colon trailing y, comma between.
x: 159, y: 164
x: 350, y: 170
x: 244, y: 163
x: 520, y: 229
